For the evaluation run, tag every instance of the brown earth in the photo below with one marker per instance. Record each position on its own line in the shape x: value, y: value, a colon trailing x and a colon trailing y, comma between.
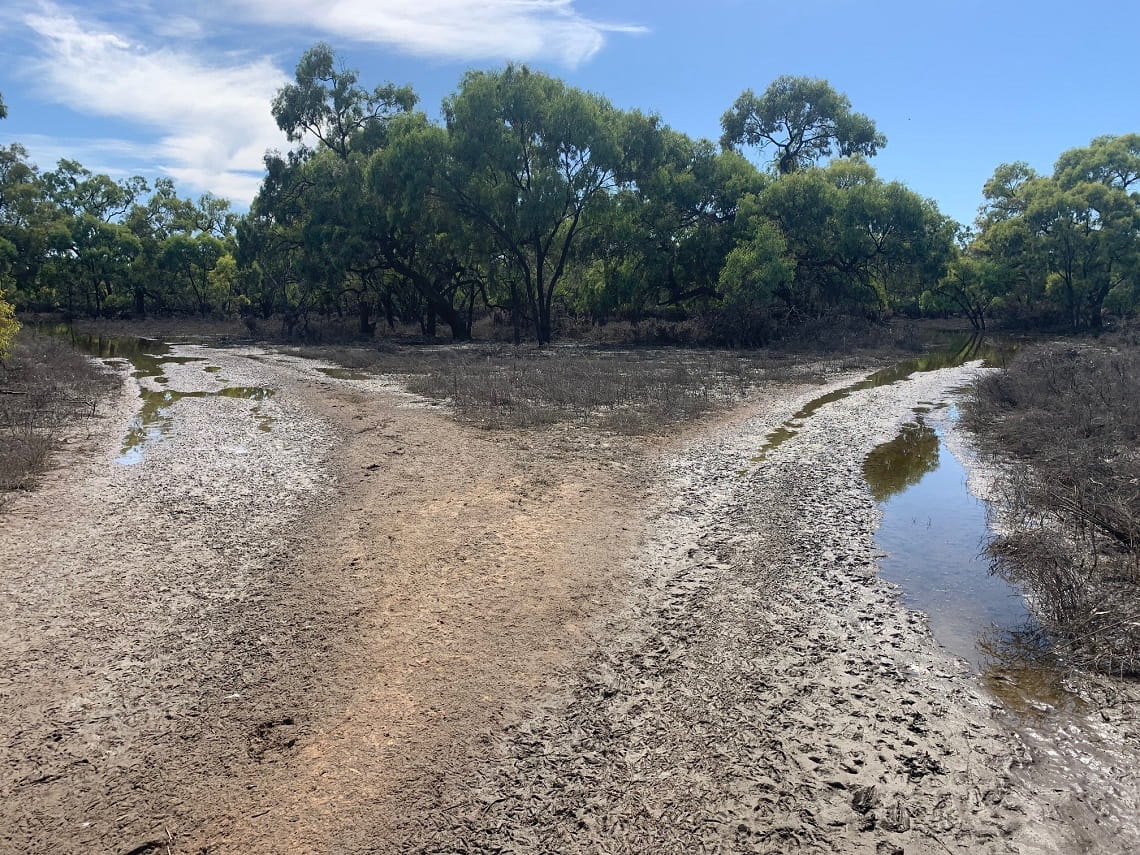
x: 366, y: 628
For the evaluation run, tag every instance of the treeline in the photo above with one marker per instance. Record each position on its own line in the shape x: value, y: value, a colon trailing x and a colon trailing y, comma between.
x: 537, y: 203
x: 1061, y: 249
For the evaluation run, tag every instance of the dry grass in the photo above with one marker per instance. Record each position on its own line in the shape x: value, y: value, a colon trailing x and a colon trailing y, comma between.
x: 1069, y: 417
x: 44, y: 386
x: 631, y: 391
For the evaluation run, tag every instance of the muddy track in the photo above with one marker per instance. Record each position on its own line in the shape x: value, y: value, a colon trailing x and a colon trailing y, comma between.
x: 770, y: 696
x: 369, y: 629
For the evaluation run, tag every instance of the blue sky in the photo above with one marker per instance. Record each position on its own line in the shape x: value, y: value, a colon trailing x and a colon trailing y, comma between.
x: 153, y: 87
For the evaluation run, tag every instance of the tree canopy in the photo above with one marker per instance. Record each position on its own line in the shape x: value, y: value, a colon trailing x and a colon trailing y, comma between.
x: 803, y: 119
x: 538, y: 206
x: 1069, y: 242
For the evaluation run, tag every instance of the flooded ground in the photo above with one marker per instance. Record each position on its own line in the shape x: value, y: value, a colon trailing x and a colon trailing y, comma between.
x: 151, y: 366
x: 364, y: 627
x: 934, y: 534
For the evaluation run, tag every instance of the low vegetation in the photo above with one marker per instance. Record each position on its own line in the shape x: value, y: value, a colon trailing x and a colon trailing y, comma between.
x: 630, y: 391
x: 625, y: 390
x: 45, y: 387
x: 1068, y: 417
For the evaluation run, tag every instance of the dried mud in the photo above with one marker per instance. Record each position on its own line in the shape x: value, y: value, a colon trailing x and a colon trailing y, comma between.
x: 370, y: 629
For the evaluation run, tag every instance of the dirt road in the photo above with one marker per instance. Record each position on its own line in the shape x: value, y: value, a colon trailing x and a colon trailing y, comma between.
x: 330, y: 619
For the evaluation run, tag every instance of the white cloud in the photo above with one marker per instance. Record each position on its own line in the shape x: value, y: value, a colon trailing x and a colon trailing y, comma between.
x: 214, y: 120
x: 454, y: 29
x: 100, y: 155
x: 178, y: 27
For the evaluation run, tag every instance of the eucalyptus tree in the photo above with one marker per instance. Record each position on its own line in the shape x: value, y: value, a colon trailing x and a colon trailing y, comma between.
x: 94, y: 252
x: 660, y: 243
x: 314, y: 203
x: 77, y: 191
x: 1073, y: 237
x: 327, y: 103
x: 177, y: 235
x: 973, y: 285
x: 1110, y: 160
x: 757, y: 277
x: 1089, y: 232
x: 9, y: 326
x: 530, y: 161
x: 688, y: 214
x: 803, y: 119
x: 419, y: 235
x: 31, y: 230
x: 859, y: 243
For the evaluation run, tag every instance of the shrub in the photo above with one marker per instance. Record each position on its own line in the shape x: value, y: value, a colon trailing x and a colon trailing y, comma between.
x: 1068, y: 417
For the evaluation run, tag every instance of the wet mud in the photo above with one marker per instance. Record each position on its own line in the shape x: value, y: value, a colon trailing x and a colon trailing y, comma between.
x: 330, y: 619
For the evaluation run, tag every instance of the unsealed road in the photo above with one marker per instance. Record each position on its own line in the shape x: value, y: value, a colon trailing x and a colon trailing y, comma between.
x: 369, y: 629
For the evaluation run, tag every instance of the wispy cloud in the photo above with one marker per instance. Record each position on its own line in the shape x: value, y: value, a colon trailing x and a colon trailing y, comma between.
x: 203, y: 117
x: 453, y: 29
x: 212, y: 119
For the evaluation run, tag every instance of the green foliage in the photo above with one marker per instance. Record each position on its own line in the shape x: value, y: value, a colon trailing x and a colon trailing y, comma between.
x: 539, y: 203
x: 9, y: 326
x: 327, y: 103
x: 1110, y: 160
x: 972, y: 285
x: 860, y: 243
x: 531, y: 160
x: 803, y: 119
x: 1067, y: 241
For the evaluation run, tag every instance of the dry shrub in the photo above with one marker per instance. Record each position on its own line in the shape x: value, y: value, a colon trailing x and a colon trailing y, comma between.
x: 630, y: 391
x: 633, y: 392
x: 44, y: 386
x: 1069, y: 417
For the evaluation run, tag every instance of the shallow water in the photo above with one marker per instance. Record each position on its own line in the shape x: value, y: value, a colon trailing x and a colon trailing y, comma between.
x: 964, y: 350
x: 934, y: 533
x: 154, y: 422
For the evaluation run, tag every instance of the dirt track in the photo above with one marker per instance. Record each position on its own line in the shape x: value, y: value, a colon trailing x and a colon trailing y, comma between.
x: 368, y: 629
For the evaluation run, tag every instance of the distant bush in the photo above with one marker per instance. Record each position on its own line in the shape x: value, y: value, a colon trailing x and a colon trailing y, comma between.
x: 9, y: 326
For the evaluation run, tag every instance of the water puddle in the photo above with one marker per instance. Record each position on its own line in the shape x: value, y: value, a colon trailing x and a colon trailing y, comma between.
x: 155, y: 422
x: 148, y: 358
x: 934, y: 533
x: 970, y: 349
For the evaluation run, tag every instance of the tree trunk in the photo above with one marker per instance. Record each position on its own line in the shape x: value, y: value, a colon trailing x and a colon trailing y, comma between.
x: 460, y: 326
x: 367, y: 327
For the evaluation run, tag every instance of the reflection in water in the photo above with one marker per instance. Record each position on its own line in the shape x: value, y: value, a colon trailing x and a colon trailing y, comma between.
x: 934, y: 532
x: 774, y: 440
x: 966, y: 350
x: 154, y: 421
x: 144, y: 354
x: 901, y: 463
x: 147, y: 357
x: 1022, y: 671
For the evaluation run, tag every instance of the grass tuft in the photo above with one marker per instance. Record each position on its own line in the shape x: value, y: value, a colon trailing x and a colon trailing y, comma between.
x: 45, y: 385
x: 633, y: 391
